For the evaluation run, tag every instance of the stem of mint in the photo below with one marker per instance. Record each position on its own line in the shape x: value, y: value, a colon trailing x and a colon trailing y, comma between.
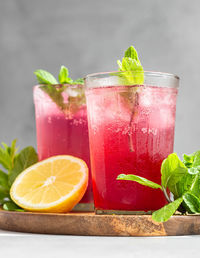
x: 55, y: 93
x: 166, y: 194
x: 131, y: 147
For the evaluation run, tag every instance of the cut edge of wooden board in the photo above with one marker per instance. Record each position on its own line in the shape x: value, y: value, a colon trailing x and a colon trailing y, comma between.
x: 90, y: 224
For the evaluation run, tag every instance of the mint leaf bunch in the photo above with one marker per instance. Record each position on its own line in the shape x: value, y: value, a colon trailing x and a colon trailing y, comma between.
x: 182, y: 179
x: 45, y: 77
x: 54, y: 89
x: 13, y: 163
x: 133, y: 73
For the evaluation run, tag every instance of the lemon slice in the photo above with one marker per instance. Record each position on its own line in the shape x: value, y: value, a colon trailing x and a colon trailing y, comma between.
x: 56, y: 184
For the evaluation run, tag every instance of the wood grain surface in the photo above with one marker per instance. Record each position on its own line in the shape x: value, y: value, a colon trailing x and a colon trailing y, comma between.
x: 89, y: 224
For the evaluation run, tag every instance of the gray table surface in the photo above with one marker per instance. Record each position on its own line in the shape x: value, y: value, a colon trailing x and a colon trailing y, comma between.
x: 14, y: 244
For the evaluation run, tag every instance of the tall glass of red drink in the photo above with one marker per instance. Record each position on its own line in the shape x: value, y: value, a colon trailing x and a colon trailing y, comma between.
x: 63, y: 130
x: 131, y: 131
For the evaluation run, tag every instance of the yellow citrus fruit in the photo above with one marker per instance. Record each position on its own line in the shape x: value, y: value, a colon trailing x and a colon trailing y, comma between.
x: 56, y: 184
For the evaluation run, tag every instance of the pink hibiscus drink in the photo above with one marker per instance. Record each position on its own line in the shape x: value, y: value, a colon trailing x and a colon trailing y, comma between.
x: 131, y: 131
x: 62, y: 127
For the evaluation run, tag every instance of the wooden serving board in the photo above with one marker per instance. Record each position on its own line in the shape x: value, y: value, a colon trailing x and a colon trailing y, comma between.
x: 89, y: 224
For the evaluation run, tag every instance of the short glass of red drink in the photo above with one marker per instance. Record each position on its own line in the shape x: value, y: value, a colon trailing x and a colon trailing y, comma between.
x: 131, y: 131
x: 62, y: 127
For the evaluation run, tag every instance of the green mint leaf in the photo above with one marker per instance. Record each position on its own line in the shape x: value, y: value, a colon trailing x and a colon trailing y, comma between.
x: 172, y: 171
x: 69, y: 81
x: 11, y: 206
x: 5, y: 159
x: 45, y: 77
x: 23, y: 160
x: 55, y: 93
x: 185, y: 184
x: 140, y: 180
x: 79, y: 81
x: 132, y: 68
x: 188, y: 160
x: 192, y: 202
x: 4, y: 187
x: 13, y: 150
x: 194, y: 186
x: 7, y: 155
x: 63, y: 75
x: 167, y: 211
x: 189, y: 183
x: 192, y: 160
x: 196, y: 159
x: 132, y: 53
x: 134, y: 71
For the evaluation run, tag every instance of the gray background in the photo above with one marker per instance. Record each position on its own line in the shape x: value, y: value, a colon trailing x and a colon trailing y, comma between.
x: 89, y: 36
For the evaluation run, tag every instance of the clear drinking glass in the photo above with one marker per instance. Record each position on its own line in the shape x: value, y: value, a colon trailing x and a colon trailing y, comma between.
x: 131, y: 131
x: 62, y: 127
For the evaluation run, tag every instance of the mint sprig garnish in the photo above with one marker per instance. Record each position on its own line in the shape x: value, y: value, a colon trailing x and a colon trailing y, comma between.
x: 45, y: 77
x: 54, y: 88
x: 132, y: 68
x: 13, y: 163
x: 182, y: 179
x: 132, y: 74
x: 65, y: 79
x: 64, y: 76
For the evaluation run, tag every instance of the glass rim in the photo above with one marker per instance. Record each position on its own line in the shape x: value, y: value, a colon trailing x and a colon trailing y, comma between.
x: 152, y: 73
x: 142, y: 78
x: 60, y: 84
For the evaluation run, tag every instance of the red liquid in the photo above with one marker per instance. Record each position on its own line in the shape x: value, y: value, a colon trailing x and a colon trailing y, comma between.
x: 58, y: 134
x: 118, y: 146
